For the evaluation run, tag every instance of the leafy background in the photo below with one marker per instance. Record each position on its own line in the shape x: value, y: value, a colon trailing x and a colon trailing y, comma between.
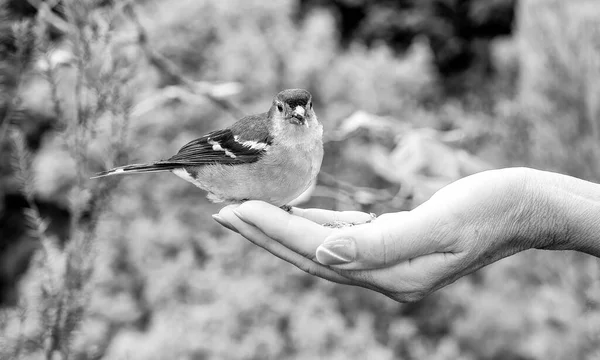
x: 412, y: 95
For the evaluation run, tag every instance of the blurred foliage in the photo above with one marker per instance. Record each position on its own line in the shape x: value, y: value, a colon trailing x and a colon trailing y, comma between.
x: 155, y: 278
x: 458, y: 32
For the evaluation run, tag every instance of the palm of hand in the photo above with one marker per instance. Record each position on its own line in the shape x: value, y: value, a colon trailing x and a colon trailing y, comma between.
x: 404, y: 255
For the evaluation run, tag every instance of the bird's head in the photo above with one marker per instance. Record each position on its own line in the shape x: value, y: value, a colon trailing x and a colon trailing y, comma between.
x: 293, y: 120
x: 293, y: 106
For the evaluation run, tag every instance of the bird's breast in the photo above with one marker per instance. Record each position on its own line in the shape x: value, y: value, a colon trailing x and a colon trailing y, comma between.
x: 292, y: 170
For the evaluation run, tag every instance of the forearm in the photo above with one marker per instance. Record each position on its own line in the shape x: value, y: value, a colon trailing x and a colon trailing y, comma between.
x: 569, y: 208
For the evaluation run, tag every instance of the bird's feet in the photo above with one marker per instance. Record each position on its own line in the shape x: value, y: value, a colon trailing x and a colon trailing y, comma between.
x: 286, y: 208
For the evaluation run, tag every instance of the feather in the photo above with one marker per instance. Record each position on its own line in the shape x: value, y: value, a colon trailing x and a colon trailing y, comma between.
x: 245, y: 142
x: 294, y: 97
x: 138, y: 168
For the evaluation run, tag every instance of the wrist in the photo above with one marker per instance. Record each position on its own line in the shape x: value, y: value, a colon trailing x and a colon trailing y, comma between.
x: 567, y: 211
x: 525, y: 219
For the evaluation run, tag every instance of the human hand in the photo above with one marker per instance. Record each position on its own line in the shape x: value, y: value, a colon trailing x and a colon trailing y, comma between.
x: 406, y: 255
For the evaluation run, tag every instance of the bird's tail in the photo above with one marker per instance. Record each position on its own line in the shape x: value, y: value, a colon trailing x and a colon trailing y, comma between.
x: 139, y: 168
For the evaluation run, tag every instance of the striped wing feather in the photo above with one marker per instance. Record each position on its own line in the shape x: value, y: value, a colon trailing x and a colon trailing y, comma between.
x: 219, y: 147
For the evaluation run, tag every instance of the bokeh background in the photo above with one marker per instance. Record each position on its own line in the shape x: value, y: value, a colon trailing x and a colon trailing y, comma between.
x: 412, y: 94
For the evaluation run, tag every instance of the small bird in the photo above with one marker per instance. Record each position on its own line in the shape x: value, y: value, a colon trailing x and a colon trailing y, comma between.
x: 273, y: 156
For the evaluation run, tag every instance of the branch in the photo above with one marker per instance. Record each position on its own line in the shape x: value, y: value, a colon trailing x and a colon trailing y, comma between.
x: 44, y: 9
x: 360, y: 195
x: 167, y: 67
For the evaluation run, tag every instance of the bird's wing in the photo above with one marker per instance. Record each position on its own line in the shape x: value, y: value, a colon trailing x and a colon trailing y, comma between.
x: 243, y: 143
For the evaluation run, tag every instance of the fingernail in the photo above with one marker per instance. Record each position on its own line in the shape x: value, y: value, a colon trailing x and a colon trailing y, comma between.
x: 223, y: 222
x: 337, y: 251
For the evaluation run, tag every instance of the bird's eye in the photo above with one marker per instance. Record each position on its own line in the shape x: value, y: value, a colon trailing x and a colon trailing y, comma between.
x: 310, y: 105
x: 280, y: 107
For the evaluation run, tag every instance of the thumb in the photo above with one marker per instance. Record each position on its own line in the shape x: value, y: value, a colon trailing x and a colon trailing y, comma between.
x: 388, y: 240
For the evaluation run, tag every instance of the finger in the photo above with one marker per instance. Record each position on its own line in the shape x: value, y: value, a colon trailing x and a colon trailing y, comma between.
x: 388, y: 240
x: 294, y: 232
x: 260, y: 239
x: 321, y: 216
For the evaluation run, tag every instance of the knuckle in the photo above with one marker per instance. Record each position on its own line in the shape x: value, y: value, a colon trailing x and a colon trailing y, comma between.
x: 388, y: 247
x: 308, y: 268
x: 365, y: 277
x: 243, y: 207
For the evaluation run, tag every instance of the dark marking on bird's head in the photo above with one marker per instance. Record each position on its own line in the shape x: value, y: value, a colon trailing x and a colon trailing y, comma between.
x: 294, y: 97
x: 294, y: 104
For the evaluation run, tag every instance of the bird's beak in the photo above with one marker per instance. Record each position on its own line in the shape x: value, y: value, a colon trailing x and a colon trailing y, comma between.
x: 298, y: 114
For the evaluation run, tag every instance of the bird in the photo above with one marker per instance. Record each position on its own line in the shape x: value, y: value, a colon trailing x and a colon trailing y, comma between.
x: 272, y: 156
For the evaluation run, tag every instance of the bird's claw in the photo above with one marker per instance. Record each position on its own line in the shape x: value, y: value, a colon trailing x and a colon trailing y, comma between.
x: 286, y: 208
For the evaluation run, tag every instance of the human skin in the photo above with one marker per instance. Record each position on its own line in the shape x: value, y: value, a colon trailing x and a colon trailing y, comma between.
x: 466, y: 225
